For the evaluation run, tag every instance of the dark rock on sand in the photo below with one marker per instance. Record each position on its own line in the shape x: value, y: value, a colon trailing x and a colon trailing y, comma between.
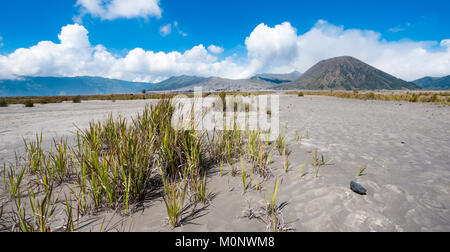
x: 357, y: 188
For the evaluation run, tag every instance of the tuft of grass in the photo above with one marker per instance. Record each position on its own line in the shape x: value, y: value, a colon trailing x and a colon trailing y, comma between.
x: 286, y: 163
x: 69, y: 226
x: 199, y: 188
x: 114, y: 164
x: 318, y: 162
x: 271, y: 205
x: 302, y: 170
x: 423, y: 96
x: 280, y: 144
x: 174, y: 197
x: 43, y: 210
x: 244, y: 176
x: 3, y: 104
x: 13, y: 178
x: 221, y: 167
x: 29, y: 104
x: 301, y: 94
x: 76, y: 99
x: 362, y: 170
x: 23, y: 224
x: 298, y: 137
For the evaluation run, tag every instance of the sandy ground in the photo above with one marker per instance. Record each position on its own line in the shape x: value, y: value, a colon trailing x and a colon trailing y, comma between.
x: 405, y: 146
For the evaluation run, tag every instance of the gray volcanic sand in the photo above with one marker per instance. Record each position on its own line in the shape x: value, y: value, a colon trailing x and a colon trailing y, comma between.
x: 55, y: 121
x: 405, y: 146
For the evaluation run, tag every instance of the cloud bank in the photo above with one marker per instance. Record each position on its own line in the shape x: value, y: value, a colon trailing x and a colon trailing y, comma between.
x: 278, y: 49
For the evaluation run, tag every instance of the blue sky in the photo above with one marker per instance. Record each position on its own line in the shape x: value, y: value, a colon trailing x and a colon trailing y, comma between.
x: 386, y: 25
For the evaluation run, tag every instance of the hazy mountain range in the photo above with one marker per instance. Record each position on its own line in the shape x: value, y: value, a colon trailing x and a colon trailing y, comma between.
x: 341, y: 73
x: 434, y: 83
x: 216, y: 84
x: 57, y: 86
x: 278, y: 78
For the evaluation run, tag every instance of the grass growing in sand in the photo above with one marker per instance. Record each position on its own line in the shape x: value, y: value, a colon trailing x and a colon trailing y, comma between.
x: 117, y: 163
x: 271, y: 205
x: 115, y: 97
x: 76, y: 99
x: 441, y: 97
x: 28, y: 103
x: 318, y: 161
x: 362, y: 171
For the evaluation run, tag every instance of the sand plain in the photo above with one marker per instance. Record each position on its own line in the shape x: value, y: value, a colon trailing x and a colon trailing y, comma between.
x: 405, y: 146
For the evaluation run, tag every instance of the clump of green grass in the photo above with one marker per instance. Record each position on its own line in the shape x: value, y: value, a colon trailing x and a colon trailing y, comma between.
x: 286, y: 163
x: 76, y: 99
x: 298, y: 137
x: 174, y: 199
x: 198, y: 188
x: 43, y: 210
x: 280, y: 144
x: 221, y: 167
x: 301, y: 94
x: 362, y: 170
x: 116, y: 163
x: 271, y: 205
x: 302, y: 170
x: 29, y: 104
x: 3, y: 104
x: 44, y: 101
x: 13, y: 178
x: 424, y: 97
x: 243, y: 175
x: 69, y: 226
x: 318, y: 161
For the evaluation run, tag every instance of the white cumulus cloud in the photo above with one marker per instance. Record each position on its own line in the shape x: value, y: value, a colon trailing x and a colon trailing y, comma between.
x: 165, y: 30
x: 75, y: 56
x: 215, y: 49
x: 405, y: 59
x: 113, y: 9
x: 278, y: 49
x: 272, y: 48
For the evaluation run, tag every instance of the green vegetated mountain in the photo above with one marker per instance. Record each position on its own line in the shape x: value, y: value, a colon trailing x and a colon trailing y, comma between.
x: 346, y: 73
x: 55, y: 86
x: 277, y: 78
x: 434, y: 83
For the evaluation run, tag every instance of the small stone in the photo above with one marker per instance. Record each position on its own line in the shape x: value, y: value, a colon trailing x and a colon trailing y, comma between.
x: 357, y: 188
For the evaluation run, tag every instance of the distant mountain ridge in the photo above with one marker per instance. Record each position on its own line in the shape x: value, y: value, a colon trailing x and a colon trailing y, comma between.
x: 434, y: 83
x: 57, y: 86
x: 341, y: 73
x: 212, y: 84
x: 346, y: 73
x: 176, y: 82
x: 278, y: 78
